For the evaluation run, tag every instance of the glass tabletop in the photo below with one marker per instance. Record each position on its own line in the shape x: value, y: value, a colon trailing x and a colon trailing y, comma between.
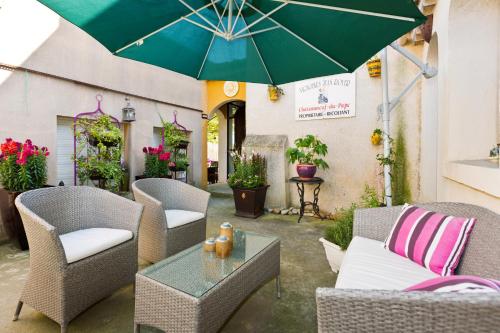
x: 195, y: 271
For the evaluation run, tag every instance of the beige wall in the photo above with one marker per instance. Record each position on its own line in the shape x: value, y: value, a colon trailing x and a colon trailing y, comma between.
x: 466, y: 44
x: 351, y: 155
x: 34, y: 37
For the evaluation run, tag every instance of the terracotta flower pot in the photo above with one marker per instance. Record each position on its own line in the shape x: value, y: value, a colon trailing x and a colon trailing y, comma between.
x: 306, y: 171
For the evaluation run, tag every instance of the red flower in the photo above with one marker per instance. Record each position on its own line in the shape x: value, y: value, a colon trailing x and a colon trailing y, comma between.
x: 145, y: 150
x: 165, y: 156
x: 10, y: 147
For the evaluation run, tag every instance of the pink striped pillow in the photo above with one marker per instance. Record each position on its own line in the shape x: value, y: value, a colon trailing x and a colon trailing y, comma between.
x: 458, y: 284
x: 430, y: 239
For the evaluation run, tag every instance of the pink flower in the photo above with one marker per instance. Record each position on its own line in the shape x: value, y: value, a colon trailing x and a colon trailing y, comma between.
x: 145, y: 150
x: 165, y: 156
x: 171, y: 164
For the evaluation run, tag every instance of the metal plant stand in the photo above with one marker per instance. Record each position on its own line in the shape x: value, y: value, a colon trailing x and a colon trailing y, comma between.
x: 300, y: 188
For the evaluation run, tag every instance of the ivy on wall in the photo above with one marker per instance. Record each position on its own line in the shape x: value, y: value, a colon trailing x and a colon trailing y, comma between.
x: 401, y: 191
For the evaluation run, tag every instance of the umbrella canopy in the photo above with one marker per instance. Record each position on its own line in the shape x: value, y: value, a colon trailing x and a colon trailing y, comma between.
x: 261, y: 41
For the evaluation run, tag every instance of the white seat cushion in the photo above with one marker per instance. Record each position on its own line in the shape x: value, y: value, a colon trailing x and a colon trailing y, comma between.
x: 84, y: 243
x: 368, y: 265
x: 178, y: 217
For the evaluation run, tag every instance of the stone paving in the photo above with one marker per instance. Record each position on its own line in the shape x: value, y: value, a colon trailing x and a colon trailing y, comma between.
x: 303, y: 269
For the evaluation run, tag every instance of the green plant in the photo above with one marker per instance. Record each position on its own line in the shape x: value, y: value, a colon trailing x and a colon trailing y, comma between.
x: 213, y: 130
x: 401, y: 192
x: 102, y: 130
x: 249, y: 172
x: 308, y: 150
x: 155, y: 162
x: 173, y: 135
x: 340, y: 232
x: 99, y: 151
x: 389, y: 160
x: 22, y: 166
x: 370, y: 198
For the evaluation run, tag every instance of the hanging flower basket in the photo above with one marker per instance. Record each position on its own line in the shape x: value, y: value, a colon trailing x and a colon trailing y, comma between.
x: 374, y: 67
x: 274, y: 92
x: 376, y: 137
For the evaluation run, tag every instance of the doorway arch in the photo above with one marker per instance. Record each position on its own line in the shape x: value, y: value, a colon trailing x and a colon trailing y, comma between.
x: 221, y: 105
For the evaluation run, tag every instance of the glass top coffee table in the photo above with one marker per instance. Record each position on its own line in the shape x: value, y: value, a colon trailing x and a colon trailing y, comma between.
x: 194, y: 291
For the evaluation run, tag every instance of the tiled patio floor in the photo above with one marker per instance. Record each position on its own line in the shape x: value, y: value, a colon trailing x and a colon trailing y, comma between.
x: 303, y: 268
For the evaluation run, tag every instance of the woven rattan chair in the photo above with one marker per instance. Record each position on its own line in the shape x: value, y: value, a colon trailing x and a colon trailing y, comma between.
x: 349, y: 310
x: 62, y: 290
x: 158, y: 237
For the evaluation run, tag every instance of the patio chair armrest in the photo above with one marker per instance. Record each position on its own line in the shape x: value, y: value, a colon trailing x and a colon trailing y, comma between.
x: 153, y: 215
x: 346, y: 310
x: 375, y: 223
x: 43, y: 239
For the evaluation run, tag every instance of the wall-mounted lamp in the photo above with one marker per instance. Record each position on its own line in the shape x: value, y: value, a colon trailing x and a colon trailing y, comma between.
x: 128, y: 112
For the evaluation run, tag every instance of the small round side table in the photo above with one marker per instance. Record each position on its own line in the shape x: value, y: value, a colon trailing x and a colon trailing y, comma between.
x: 300, y: 188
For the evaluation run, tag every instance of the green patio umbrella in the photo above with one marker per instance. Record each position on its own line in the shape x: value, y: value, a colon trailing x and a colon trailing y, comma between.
x: 261, y: 41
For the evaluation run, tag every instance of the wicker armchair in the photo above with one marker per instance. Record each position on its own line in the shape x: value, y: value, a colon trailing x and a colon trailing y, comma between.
x: 62, y: 290
x: 349, y: 310
x: 158, y: 195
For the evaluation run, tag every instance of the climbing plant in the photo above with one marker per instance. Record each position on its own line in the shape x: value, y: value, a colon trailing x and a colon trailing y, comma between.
x: 401, y: 191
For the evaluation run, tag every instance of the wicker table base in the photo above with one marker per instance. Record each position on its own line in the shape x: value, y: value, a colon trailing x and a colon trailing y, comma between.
x: 171, y: 310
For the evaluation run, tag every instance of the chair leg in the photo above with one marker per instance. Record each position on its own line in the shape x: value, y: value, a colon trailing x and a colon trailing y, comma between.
x: 278, y: 287
x: 64, y: 328
x: 18, y: 310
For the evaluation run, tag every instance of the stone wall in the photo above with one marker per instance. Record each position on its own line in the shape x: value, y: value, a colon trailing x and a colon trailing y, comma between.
x: 272, y: 147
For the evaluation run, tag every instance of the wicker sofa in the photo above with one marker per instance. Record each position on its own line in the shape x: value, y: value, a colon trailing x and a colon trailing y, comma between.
x: 175, y: 217
x: 83, y: 247
x: 352, y: 307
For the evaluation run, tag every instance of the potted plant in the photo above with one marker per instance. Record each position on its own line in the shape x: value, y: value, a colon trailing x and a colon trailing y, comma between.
x: 249, y: 184
x: 155, y: 162
x: 99, y: 153
x: 274, y: 92
x: 23, y: 167
x: 105, y: 132
x: 376, y: 137
x: 307, y: 152
x: 338, y: 236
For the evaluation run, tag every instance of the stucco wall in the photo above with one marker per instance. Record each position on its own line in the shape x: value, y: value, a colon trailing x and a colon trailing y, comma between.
x: 35, y: 38
x: 40, y: 40
x: 467, y: 38
x: 351, y: 155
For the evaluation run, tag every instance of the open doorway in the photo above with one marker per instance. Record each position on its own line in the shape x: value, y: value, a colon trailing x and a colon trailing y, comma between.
x: 226, y: 133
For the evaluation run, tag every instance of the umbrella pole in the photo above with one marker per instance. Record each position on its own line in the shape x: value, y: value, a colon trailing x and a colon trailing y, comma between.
x: 386, y: 122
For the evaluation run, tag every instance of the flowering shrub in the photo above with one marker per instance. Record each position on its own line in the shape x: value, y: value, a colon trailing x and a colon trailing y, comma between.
x: 249, y: 171
x: 155, y: 162
x: 22, y: 166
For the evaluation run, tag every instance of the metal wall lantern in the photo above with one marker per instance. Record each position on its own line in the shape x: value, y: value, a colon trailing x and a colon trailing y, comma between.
x: 128, y: 112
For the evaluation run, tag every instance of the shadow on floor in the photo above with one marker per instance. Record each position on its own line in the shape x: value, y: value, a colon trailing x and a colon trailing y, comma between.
x: 303, y: 269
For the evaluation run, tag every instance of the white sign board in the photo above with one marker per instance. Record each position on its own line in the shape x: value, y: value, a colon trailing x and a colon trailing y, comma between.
x: 326, y: 97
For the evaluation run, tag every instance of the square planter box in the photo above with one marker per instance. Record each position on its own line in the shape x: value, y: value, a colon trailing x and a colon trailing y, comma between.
x: 11, y: 219
x: 250, y: 202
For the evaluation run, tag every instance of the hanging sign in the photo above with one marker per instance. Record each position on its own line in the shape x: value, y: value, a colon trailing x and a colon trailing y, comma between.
x: 326, y: 97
